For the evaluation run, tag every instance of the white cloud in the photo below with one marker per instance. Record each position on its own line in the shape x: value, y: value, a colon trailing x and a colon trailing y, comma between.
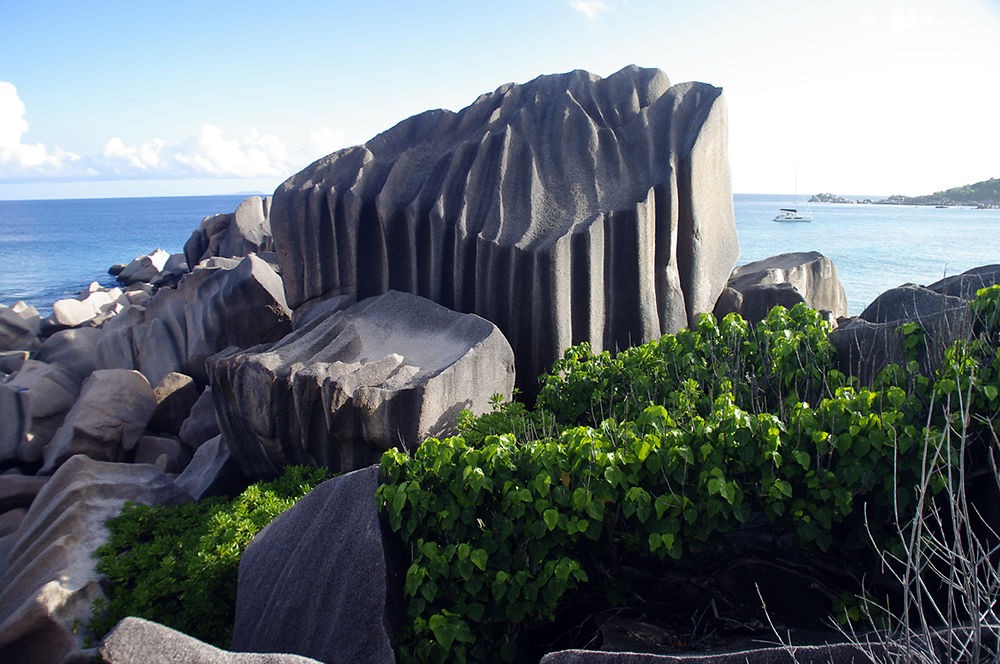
x: 905, y: 20
x: 210, y: 152
x: 323, y: 141
x: 16, y: 156
x: 592, y: 9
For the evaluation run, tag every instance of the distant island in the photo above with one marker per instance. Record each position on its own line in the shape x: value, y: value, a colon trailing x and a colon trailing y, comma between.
x: 985, y: 194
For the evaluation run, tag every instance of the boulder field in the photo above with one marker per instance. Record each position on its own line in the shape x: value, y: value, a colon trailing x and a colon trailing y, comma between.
x: 385, y: 288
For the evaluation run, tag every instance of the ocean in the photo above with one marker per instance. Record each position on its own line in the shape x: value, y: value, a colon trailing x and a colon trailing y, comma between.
x: 50, y: 249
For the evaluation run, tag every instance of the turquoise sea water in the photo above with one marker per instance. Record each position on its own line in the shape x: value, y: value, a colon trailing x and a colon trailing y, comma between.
x: 53, y: 248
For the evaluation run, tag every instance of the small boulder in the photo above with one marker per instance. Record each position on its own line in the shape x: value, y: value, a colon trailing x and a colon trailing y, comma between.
x: 74, y: 312
x: 33, y: 403
x: 175, y: 395
x: 200, y: 424
x: 329, y: 551
x: 211, y: 472
x: 107, y: 419
x: 143, y: 268
x: 787, y: 279
x: 51, y: 577
x: 19, y: 327
x: 167, y: 454
x: 339, y: 391
x: 139, y: 641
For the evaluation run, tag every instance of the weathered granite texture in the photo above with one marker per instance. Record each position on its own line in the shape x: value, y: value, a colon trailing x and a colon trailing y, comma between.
x: 33, y: 403
x: 51, y: 575
x: 340, y: 390
x: 139, y: 641
x: 787, y: 279
x: 19, y: 327
x: 314, y: 581
x: 212, y: 308
x: 238, y: 233
x: 570, y: 208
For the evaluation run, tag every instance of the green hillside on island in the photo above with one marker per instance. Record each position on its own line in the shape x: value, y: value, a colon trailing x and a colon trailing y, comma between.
x: 985, y: 194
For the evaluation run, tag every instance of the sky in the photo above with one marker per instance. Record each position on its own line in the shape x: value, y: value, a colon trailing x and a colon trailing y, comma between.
x: 109, y: 98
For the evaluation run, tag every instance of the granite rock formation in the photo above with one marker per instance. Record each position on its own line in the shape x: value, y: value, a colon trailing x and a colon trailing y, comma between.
x: 33, y: 403
x: 867, y: 344
x: 236, y: 234
x: 212, y: 308
x: 143, y: 268
x: 51, y: 575
x: 340, y: 390
x: 329, y: 551
x: 19, y: 327
x: 567, y: 209
x: 787, y: 279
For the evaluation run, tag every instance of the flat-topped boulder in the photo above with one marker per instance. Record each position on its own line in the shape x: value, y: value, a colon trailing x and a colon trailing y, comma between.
x: 567, y: 209
x: 339, y: 391
x: 787, y: 279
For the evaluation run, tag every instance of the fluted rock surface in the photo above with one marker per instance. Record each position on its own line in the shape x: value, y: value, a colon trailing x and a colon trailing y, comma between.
x: 567, y: 209
x: 339, y: 391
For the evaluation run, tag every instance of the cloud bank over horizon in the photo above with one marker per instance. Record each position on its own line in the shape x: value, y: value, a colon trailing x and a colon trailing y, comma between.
x: 207, y: 153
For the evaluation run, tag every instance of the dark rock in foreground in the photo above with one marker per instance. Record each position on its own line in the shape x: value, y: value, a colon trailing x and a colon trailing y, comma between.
x: 316, y: 580
x: 345, y: 387
x: 567, y: 209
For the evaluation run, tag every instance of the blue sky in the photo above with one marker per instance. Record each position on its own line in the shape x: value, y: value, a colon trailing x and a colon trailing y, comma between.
x: 185, y: 98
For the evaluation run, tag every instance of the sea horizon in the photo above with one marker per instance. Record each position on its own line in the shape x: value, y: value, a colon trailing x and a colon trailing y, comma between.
x: 53, y: 248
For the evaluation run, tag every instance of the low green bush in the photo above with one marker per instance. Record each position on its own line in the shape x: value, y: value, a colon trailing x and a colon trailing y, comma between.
x: 177, y: 564
x: 664, y: 450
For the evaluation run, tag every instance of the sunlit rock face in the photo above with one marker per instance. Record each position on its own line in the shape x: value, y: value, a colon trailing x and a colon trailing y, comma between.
x: 570, y: 208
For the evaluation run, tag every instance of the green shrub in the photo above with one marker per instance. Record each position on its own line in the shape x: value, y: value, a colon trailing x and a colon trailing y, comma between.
x: 663, y: 450
x: 177, y: 564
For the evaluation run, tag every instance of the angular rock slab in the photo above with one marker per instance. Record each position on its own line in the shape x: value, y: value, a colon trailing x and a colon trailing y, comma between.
x: 567, y: 209
x: 786, y: 279
x: 51, y: 577
x: 339, y: 391
x: 314, y: 581
x: 139, y: 641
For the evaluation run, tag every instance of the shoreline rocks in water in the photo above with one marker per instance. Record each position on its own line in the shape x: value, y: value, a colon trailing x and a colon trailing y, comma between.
x: 403, y: 281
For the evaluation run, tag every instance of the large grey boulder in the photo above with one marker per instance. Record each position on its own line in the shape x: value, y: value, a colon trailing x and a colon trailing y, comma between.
x: 33, y: 403
x: 966, y: 284
x: 107, y: 419
x: 867, y: 344
x: 75, y: 350
x: 19, y: 327
x: 314, y: 581
x: 241, y: 305
x: 339, y: 391
x: 567, y: 209
x: 139, y: 641
x: 51, y: 577
x: 787, y: 279
x: 238, y: 233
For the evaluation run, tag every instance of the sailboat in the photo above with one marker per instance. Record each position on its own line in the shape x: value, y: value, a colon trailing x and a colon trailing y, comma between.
x: 792, y: 213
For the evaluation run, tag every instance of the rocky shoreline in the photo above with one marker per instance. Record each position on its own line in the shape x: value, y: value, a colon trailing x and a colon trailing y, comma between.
x: 382, y: 290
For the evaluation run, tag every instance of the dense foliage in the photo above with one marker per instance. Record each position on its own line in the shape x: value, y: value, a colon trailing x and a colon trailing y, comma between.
x: 177, y: 564
x: 663, y: 450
